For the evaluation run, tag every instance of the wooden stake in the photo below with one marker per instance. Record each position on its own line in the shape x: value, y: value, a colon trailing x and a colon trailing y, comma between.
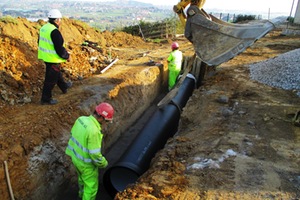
x: 8, y: 181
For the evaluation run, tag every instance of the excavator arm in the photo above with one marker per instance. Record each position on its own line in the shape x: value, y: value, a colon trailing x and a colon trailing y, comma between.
x: 216, y: 41
x: 179, y: 9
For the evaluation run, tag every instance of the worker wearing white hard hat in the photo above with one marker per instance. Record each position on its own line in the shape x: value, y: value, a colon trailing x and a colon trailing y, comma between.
x: 54, y: 14
x: 52, y: 51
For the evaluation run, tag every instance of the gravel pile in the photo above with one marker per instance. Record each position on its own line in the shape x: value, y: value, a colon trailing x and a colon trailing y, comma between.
x: 282, y: 71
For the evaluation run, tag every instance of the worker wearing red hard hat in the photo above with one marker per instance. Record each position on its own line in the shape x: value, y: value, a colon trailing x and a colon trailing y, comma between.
x: 174, y: 64
x: 84, y: 148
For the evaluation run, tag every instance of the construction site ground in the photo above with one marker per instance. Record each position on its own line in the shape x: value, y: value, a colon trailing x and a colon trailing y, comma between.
x: 236, y: 139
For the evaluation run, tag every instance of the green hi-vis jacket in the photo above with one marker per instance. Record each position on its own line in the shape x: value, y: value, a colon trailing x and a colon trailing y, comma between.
x: 46, y: 51
x: 84, y: 145
x: 175, y: 60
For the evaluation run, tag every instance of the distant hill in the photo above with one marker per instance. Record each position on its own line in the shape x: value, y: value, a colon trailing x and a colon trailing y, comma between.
x: 106, y: 15
x: 12, y: 3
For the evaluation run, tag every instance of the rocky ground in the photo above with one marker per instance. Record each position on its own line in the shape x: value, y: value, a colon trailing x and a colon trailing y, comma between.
x: 243, y: 147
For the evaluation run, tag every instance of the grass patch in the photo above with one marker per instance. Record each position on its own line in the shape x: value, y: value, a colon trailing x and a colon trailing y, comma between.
x: 9, y: 19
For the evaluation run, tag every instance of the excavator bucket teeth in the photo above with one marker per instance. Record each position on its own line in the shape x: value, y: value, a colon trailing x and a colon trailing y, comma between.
x: 216, y: 41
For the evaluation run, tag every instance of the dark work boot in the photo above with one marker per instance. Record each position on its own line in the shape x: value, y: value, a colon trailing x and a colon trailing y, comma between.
x: 50, y: 102
x: 69, y: 84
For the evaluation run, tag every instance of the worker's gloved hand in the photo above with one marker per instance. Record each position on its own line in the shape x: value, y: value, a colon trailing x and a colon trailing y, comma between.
x: 103, y: 163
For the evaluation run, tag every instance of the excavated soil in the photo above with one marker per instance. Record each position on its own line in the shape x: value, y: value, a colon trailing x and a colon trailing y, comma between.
x: 244, y: 148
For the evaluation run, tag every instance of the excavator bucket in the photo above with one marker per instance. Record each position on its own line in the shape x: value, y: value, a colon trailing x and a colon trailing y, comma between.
x: 216, y: 41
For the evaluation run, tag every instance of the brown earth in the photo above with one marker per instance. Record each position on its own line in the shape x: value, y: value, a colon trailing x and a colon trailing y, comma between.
x: 248, y: 147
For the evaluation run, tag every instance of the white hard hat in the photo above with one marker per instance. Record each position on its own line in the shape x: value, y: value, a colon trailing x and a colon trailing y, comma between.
x: 54, y: 14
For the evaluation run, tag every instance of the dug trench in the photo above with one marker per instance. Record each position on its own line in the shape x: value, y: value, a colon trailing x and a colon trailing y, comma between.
x: 114, y: 153
x: 45, y: 129
x: 47, y: 165
x: 34, y: 136
x: 245, y: 145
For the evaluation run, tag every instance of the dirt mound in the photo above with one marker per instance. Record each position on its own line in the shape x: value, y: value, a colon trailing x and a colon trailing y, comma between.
x: 22, y: 74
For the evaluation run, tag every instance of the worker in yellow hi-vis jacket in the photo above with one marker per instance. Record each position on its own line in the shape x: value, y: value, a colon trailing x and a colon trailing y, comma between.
x: 84, y: 147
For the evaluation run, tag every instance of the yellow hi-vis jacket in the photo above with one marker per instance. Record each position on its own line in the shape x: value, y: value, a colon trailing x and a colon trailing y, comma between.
x: 46, y: 50
x: 84, y: 145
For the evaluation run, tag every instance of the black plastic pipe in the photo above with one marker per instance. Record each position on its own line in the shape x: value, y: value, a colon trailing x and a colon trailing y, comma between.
x: 162, y: 125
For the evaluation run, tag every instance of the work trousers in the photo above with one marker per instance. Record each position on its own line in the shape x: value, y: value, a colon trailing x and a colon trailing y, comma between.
x: 173, y: 75
x: 53, y: 76
x: 87, y: 180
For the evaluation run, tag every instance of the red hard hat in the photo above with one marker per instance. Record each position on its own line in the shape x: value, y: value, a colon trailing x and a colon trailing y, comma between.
x: 105, y: 110
x: 175, y: 45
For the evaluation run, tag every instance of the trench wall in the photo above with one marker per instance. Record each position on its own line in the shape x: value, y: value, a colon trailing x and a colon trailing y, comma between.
x: 52, y: 171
